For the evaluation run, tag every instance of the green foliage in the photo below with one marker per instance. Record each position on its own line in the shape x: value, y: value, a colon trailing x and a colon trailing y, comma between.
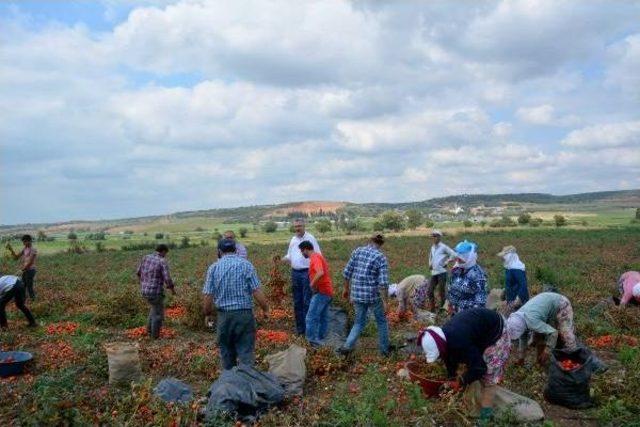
x: 378, y: 226
x: 392, y: 220
x: 243, y: 232
x: 159, y: 236
x: 467, y: 223
x: 72, y: 236
x: 184, y: 242
x: 429, y: 224
x: 269, y: 227
x: 99, y: 247
x: 100, y: 235
x: 505, y: 221
x: 638, y: 213
x: 41, y: 236
x: 323, y: 225
x: 535, y: 222
x: 138, y: 246
x: 129, y: 232
x: 524, y: 218
x: 199, y: 229
x: 414, y: 218
x: 559, y: 220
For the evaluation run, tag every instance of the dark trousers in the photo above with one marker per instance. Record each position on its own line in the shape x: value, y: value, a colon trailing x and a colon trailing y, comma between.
x: 236, y: 338
x: 28, y: 277
x: 16, y: 292
x: 515, y: 285
x: 156, y: 315
x: 301, y: 291
x: 437, y: 284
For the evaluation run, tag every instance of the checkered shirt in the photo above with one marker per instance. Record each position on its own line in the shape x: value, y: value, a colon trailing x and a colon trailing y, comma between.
x: 367, y: 272
x: 231, y: 281
x: 154, y: 273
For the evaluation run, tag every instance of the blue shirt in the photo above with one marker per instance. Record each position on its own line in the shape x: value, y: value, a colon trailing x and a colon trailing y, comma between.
x: 231, y: 281
x: 468, y: 288
x: 367, y: 272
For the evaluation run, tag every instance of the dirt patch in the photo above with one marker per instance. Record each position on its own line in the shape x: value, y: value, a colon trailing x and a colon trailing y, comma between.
x: 308, y: 208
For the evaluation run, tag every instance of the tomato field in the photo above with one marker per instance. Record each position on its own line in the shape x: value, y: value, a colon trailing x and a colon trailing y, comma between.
x: 87, y: 300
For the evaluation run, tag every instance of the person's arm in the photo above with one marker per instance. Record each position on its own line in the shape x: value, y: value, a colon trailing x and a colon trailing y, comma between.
x: 287, y: 258
x: 166, y: 276
x: 550, y: 333
x: 13, y: 253
x: 207, y: 304
x: 261, y: 299
x: 317, y: 277
x: 139, y: 271
x: 207, y: 291
x: 452, y: 254
x: 402, y: 301
x: 476, y: 366
x: 626, y: 297
x: 254, y: 285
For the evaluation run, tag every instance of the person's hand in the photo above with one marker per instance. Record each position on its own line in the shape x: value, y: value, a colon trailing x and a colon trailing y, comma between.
x: 345, y: 294
x: 276, y: 258
x: 265, y: 314
x: 543, y: 357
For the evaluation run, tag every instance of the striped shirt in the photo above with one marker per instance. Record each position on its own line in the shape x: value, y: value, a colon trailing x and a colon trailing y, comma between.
x: 367, y: 272
x: 231, y: 281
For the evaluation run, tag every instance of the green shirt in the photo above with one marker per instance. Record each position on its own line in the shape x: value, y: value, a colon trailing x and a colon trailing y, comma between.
x: 540, y: 314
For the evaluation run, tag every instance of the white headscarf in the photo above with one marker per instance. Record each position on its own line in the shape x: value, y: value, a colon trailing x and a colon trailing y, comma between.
x: 516, y: 326
x: 393, y: 290
x: 469, y: 260
x: 429, y: 345
x: 636, y: 290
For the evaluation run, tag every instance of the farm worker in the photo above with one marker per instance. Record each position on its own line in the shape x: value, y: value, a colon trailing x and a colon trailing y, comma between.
x: 515, y: 283
x: 366, y: 277
x: 153, y: 274
x: 549, y: 315
x: 301, y: 290
x: 317, y: 320
x: 27, y: 258
x: 629, y: 288
x: 477, y: 338
x: 411, y: 293
x: 11, y: 287
x: 468, y: 281
x: 439, y: 255
x: 231, y: 283
x: 241, y: 249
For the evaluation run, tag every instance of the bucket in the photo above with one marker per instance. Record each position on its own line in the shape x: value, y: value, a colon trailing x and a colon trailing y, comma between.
x: 430, y: 387
x: 12, y: 362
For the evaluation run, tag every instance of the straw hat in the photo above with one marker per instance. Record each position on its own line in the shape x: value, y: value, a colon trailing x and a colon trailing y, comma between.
x: 506, y: 250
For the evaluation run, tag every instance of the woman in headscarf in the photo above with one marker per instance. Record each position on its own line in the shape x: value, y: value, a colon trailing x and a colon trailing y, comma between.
x: 468, y: 288
x: 629, y: 288
x: 515, y: 283
x: 477, y: 338
x: 411, y: 293
x: 548, y: 315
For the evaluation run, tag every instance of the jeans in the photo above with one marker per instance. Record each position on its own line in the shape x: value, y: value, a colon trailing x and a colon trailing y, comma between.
x: 301, y: 292
x: 515, y: 285
x: 156, y: 315
x: 318, y: 318
x: 28, y: 277
x: 236, y: 338
x: 18, y: 293
x: 360, y: 322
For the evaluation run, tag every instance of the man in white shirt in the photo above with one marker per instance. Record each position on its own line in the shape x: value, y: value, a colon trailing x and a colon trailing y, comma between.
x: 11, y: 287
x: 301, y: 290
x: 439, y: 256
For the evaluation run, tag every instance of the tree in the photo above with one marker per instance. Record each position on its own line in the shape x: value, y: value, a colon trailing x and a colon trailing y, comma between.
x: 467, y: 223
x: 429, y: 224
x: 392, y: 220
x: 199, y: 229
x: 184, y: 242
x: 377, y: 226
x: 243, y: 232
x: 524, y: 218
x: 637, y: 213
x: 483, y: 223
x: 559, y: 220
x: 323, y: 225
x: 269, y: 227
x: 535, y: 222
x: 41, y: 236
x: 159, y: 236
x: 72, y: 236
x: 414, y: 218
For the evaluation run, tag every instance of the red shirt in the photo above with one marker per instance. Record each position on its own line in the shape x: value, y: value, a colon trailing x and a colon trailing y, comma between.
x: 324, y: 285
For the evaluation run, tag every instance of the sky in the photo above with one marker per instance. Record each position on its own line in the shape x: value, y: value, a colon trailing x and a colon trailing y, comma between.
x: 126, y: 108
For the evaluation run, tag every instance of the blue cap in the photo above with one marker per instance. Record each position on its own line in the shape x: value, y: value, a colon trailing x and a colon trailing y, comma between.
x: 226, y: 245
x: 465, y: 247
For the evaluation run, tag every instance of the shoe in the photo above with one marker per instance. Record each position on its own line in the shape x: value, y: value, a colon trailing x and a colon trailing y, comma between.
x: 344, y: 351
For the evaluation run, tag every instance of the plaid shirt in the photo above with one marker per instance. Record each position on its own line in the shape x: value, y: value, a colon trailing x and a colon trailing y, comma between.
x: 231, y: 281
x: 367, y: 272
x: 154, y: 273
x: 467, y: 288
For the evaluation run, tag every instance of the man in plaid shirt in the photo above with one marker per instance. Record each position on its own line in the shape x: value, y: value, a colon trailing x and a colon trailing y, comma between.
x: 365, y: 277
x: 153, y: 273
x: 232, y: 283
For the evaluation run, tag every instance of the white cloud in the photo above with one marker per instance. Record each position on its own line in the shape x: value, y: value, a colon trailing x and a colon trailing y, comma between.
x: 626, y: 134
x: 545, y: 115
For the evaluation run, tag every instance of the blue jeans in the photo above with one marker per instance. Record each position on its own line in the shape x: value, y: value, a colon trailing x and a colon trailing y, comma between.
x: 301, y: 292
x: 515, y: 285
x: 318, y: 318
x: 362, y: 308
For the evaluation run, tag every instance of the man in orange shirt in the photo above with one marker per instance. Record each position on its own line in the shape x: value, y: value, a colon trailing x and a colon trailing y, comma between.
x: 317, y: 319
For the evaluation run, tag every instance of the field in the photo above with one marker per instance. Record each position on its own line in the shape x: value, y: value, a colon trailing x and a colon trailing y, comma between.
x: 67, y: 382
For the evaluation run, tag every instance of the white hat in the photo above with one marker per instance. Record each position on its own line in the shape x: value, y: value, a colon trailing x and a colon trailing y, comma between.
x: 436, y: 232
x: 636, y: 290
x: 429, y: 345
x: 516, y: 326
x: 393, y: 289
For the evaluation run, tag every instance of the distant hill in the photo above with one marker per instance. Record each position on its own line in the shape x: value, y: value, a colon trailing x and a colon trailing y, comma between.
x: 252, y: 214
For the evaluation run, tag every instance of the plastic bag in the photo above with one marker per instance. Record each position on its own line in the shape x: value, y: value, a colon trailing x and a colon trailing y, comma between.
x: 173, y: 390
x: 524, y: 409
x: 243, y: 392
x: 570, y: 388
x: 124, y: 362
x: 338, y: 327
x: 289, y: 367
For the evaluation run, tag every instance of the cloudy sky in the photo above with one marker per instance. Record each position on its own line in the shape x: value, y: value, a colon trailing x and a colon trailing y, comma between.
x: 128, y: 108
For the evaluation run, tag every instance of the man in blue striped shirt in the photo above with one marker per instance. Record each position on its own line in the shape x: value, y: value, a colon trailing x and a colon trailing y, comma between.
x: 232, y: 284
x: 366, y: 276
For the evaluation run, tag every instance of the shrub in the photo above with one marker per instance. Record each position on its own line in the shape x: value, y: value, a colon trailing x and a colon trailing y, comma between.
x: 505, y: 221
x: 72, y: 236
x: 139, y: 246
x: 159, y: 236
x: 535, y: 222
x: 467, y: 223
x: 377, y: 226
x: 429, y: 224
x: 184, y: 242
x: 524, y: 218
x: 128, y: 232
x: 323, y: 225
x: 269, y: 227
x: 41, y: 236
x: 414, y: 218
x: 216, y: 235
x: 392, y: 220
x: 243, y: 232
x: 99, y: 247
x: 559, y: 220
x: 199, y: 229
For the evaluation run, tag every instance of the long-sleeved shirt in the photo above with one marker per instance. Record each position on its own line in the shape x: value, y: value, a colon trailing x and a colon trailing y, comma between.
x: 154, y: 273
x: 368, y: 273
x: 407, y: 287
x: 468, y: 335
x: 540, y: 313
x: 294, y: 255
x: 511, y: 261
x: 231, y: 281
x: 28, y: 257
x: 439, y: 255
x: 468, y: 288
x: 7, y: 283
x: 626, y: 282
